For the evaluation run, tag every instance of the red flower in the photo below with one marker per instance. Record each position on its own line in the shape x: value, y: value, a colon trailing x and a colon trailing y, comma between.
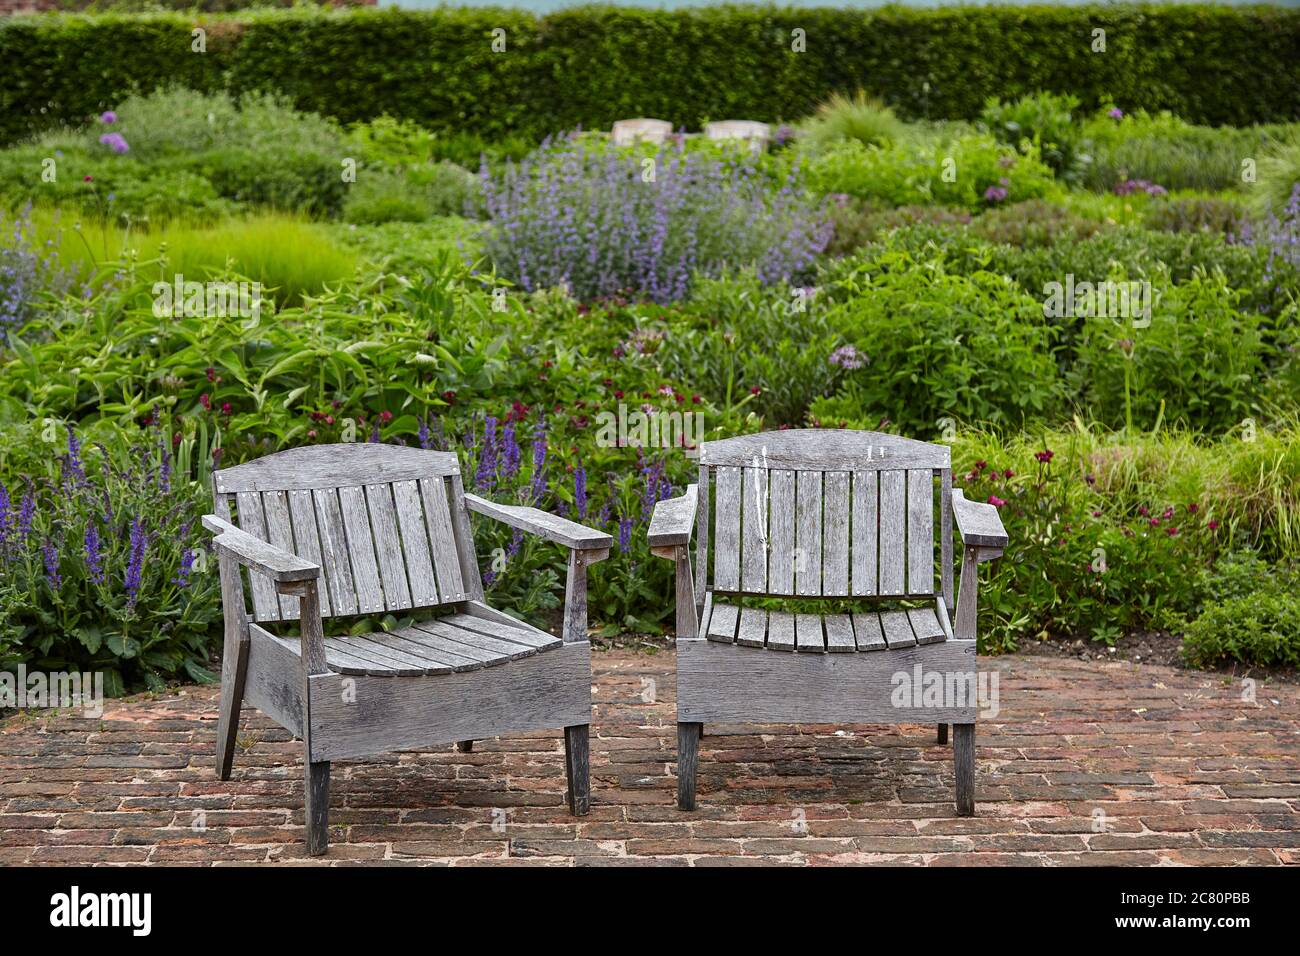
x: 981, y: 464
x: 1008, y: 473
x: 1045, y: 455
x: 1142, y: 510
x: 618, y: 393
x: 449, y: 397
x: 1212, y: 525
x: 385, y: 417
x: 696, y: 399
x: 225, y: 408
x: 1193, y: 507
x: 996, y: 501
x: 88, y: 179
x: 205, y: 401
x: 212, y: 374
x: 755, y: 390
x: 216, y: 455
x: 1171, y: 531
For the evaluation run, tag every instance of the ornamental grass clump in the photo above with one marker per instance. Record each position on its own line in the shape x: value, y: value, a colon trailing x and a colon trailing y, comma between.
x: 603, y: 222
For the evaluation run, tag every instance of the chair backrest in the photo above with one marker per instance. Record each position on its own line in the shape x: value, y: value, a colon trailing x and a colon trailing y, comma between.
x: 386, y: 523
x: 824, y: 513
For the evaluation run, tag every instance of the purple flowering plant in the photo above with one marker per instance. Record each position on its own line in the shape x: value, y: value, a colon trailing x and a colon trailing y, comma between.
x: 602, y: 222
x: 103, y: 566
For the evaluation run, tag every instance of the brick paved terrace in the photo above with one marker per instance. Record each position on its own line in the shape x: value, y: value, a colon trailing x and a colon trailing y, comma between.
x: 1086, y: 763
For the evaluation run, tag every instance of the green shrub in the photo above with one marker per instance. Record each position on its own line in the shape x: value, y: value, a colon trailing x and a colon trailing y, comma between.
x: 1279, y: 174
x: 438, y: 68
x: 1034, y: 222
x: 1168, y: 151
x: 103, y: 565
x: 1212, y: 214
x: 860, y: 118
x: 1200, y: 361
x: 970, y: 172
x: 386, y: 195
x: 935, y: 345
x: 1257, y: 629
x: 1045, y: 120
x: 856, y: 223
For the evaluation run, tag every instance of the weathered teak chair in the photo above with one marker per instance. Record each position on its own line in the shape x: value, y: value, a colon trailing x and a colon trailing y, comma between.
x: 823, y: 514
x: 364, y: 529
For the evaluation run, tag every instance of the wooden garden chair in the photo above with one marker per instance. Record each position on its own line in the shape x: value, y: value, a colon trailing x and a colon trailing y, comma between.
x: 368, y: 529
x: 823, y: 514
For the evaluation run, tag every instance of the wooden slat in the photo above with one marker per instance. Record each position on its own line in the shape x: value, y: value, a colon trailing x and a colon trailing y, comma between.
x: 865, y: 502
x: 722, y: 623
x: 726, y: 548
x: 302, y: 514
x: 490, y: 650
x: 781, y: 532
x: 266, y: 605
x: 415, y: 544
x: 945, y: 535
x: 432, y: 662
x: 753, y: 627
x: 279, y: 532
x: 920, y: 532
x: 754, y: 534
x: 346, y: 660
x: 898, y: 630
x: 388, y: 547
x: 839, y: 633
x: 867, y: 632
x: 808, y: 532
x: 893, y: 532
x: 361, y: 550
x: 825, y: 449
x: 466, y: 558
x: 925, y: 625
x: 780, y: 631
x: 422, y: 643
x: 808, y: 633
x: 399, y: 662
x: 451, y: 583
x: 433, y: 639
x: 332, y: 466
x: 945, y: 620
x: 517, y: 632
x: 835, y: 535
x: 334, y: 547
x: 702, y: 540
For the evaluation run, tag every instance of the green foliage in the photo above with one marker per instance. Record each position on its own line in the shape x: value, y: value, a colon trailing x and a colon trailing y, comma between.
x: 412, y: 195
x: 1199, y: 361
x: 1032, y: 223
x: 1171, y: 152
x: 1045, y: 120
x: 958, y: 173
x: 1213, y: 214
x: 110, y: 572
x: 1279, y: 174
x: 971, y: 348
x: 860, y: 118
x: 438, y: 68
x: 1259, y: 628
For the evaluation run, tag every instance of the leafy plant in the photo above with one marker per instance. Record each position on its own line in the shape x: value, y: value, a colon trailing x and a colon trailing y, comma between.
x: 863, y: 119
x: 1045, y: 119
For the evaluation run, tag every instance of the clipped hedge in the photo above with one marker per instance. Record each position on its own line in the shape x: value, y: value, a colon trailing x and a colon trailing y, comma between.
x: 591, y: 65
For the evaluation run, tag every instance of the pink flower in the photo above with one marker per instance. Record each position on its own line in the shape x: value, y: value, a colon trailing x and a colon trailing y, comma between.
x: 205, y: 401
x: 996, y: 501
x: 1171, y: 531
x: 1116, y: 113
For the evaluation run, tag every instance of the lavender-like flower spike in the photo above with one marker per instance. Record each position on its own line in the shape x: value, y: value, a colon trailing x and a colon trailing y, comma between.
x: 182, y: 578
x: 94, y: 554
x: 624, y: 535
x: 164, y: 467
x: 509, y: 452
x: 538, y: 489
x: 485, y: 474
x: 6, y: 515
x: 27, y: 511
x: 135, y: 564
x: 73, y: 471
x: 580, y: 491
x: 423, y: 433
x: 51, y: 555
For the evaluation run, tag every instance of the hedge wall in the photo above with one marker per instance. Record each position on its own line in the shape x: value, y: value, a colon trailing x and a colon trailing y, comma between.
x: 591, y: 65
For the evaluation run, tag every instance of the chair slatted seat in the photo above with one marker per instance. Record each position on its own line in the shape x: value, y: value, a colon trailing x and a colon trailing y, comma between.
x: 826, y: 633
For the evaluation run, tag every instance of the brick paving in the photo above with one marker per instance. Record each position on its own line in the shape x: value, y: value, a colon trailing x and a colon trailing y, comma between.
x: 1085, y: 764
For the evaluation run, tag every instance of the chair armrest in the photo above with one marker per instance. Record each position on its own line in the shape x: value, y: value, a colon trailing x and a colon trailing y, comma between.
x: 978, y: 523
x: 673, y: 520
x: 254, y: 553
x: 543, y: 524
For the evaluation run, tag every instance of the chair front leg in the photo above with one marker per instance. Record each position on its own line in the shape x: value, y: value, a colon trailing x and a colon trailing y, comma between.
x: 963, y: 744
x: 316, y: 773
x: 234, y: 662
